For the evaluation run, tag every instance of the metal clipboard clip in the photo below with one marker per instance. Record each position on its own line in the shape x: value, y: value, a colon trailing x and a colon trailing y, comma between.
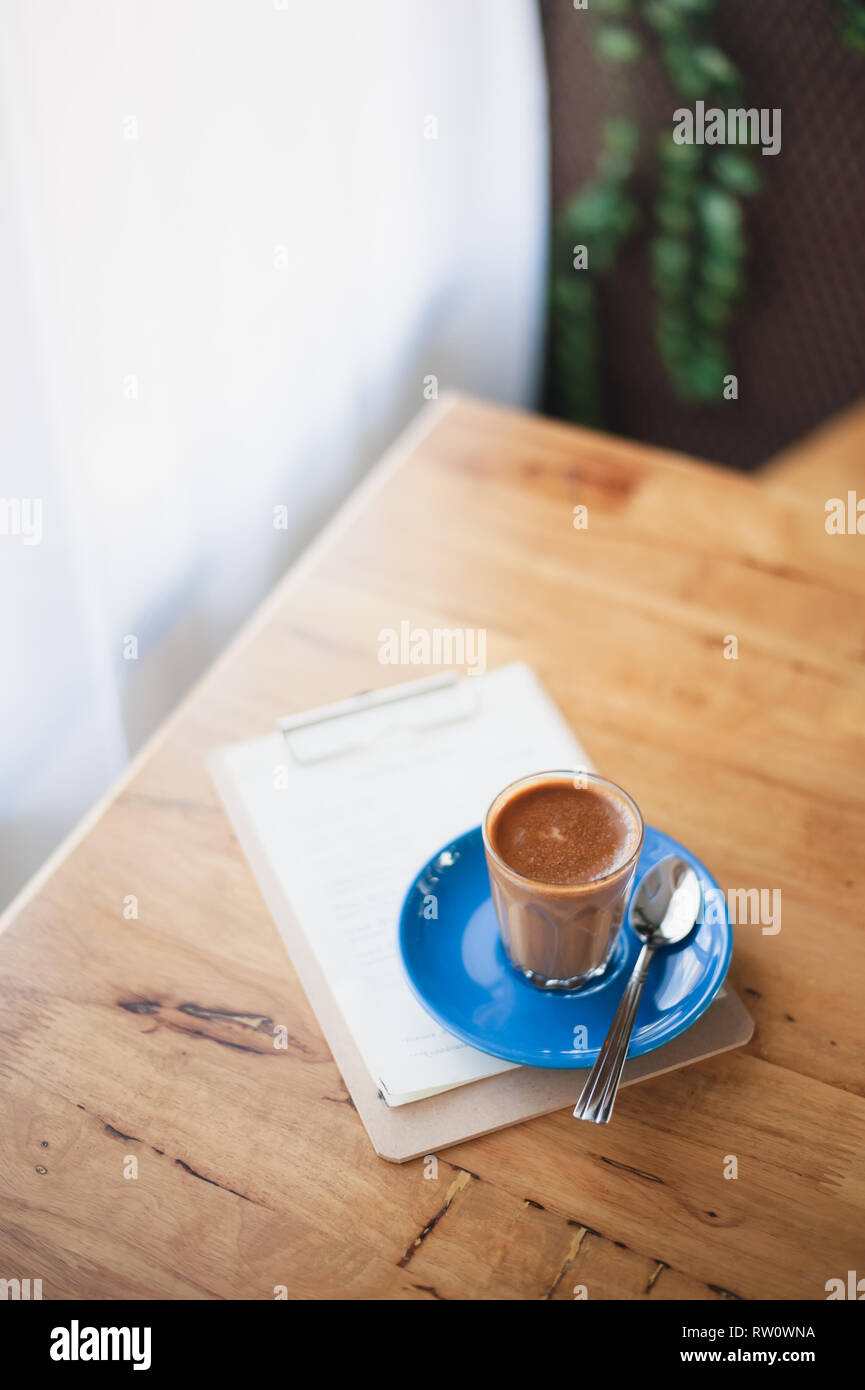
x: 360, y: 721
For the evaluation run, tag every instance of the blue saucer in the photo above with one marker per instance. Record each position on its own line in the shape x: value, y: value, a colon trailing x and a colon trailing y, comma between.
x: 457, y: 967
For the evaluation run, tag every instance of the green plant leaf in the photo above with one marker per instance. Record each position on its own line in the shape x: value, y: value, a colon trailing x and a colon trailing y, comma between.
x: 616, y: 44
x: 671, y: 260
x: 594, y: 209
x: 679, y: 159
x: 665, y: 19
x: 688, y: 77
x: 736, y: 172
x: 715, y: 66
x: 712, y: 308
x: 707, y: 374
x: 720, y: 215
x: 725, y: 279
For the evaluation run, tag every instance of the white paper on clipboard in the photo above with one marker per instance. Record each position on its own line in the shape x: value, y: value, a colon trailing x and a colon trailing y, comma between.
x: 346, y: 803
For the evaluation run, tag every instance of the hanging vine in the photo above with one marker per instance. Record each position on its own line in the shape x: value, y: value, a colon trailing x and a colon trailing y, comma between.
x: 599, y: 219
x: 699, y: 248
x: 698, y: 243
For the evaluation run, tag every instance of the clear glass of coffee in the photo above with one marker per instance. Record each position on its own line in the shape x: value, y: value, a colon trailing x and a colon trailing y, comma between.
x: 561, y: 849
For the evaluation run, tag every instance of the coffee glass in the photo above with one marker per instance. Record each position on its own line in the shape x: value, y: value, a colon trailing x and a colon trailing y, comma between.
x: 560, y: 935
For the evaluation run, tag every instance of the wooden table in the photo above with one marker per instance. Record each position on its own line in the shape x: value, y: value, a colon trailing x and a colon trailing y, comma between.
x: 151, y: 1038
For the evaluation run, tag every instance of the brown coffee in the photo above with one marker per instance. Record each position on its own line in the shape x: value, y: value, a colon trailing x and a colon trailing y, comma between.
x: 558, y: 833
x: 561, y: 851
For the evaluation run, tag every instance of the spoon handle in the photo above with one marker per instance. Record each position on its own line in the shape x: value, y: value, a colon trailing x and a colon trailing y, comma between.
x: 599, y: 1093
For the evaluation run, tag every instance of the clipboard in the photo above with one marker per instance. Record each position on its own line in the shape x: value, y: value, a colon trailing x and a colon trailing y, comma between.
x: 426, y: 1126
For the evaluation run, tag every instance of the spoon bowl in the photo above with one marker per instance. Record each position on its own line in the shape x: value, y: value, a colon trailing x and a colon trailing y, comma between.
x: 668, y: 902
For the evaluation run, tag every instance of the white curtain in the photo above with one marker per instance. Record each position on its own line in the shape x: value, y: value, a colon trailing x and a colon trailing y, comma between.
x: 235, y: 238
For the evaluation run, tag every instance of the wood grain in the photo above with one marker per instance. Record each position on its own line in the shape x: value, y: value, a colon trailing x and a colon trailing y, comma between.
x: 152, y: 1038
